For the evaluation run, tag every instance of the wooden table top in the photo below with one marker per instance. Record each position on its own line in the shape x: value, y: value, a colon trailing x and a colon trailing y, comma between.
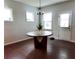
x: 39, y: 33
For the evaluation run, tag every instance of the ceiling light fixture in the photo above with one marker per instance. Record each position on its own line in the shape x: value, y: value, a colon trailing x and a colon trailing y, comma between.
x: 39, y: 15
x: 39, y: 9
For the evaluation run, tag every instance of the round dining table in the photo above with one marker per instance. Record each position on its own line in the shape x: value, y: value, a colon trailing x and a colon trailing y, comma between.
x: 40, y: 38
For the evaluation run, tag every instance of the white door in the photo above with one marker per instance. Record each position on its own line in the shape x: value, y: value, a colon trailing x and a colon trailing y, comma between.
x: 64, y: 29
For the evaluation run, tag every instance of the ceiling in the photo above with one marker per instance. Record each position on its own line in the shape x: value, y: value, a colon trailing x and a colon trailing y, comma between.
x: 43, y: 2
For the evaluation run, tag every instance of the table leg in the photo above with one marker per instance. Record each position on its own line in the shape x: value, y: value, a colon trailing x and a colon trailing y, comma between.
x: 42, y: 44
x: 36, y: 43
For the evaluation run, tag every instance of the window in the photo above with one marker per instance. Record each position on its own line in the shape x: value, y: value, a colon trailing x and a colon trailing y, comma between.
x: 64, y: 20
x: 29, y: 16
x: 8, y: 14
x: 47, y: 20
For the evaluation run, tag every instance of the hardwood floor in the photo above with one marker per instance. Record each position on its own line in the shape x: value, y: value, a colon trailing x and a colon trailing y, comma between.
x: 56, y: 49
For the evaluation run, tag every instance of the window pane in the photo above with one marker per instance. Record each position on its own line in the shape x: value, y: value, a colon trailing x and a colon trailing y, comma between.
x: 47, y: 17
x: 47, y: 20
x: 30, y: 16
x: 47, y: 25
x: 8, y: 14
x: 64, y: 20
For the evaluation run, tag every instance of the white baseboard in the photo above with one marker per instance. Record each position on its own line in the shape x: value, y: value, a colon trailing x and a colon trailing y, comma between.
x: 5, y: 44
x: 17, y: 41
x: 70, y: 41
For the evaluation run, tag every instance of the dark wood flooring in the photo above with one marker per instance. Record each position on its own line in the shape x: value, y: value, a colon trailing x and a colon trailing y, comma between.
x: 56, y: 49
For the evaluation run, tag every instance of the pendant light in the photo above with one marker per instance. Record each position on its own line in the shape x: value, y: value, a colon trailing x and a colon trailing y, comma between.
x: 39, y: 15
x: 39, y: 9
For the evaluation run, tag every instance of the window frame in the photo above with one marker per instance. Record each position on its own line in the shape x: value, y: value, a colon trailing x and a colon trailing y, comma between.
x: 11, y: 17
x: 27, y: 16
x: 47, y: 21
x: 68, y: 20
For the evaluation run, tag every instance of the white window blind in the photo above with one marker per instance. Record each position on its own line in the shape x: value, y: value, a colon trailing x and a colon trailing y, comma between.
x: 47, y: 20
x: 64, y: 20
x: 29, y: 16
x: 8, y: 14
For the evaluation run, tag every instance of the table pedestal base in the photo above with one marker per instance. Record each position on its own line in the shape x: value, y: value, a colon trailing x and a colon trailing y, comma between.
x: 40, y: 44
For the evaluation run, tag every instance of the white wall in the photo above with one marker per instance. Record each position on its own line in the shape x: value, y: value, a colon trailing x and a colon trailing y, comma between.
x: 61, y: 33
x: 17, y: 29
